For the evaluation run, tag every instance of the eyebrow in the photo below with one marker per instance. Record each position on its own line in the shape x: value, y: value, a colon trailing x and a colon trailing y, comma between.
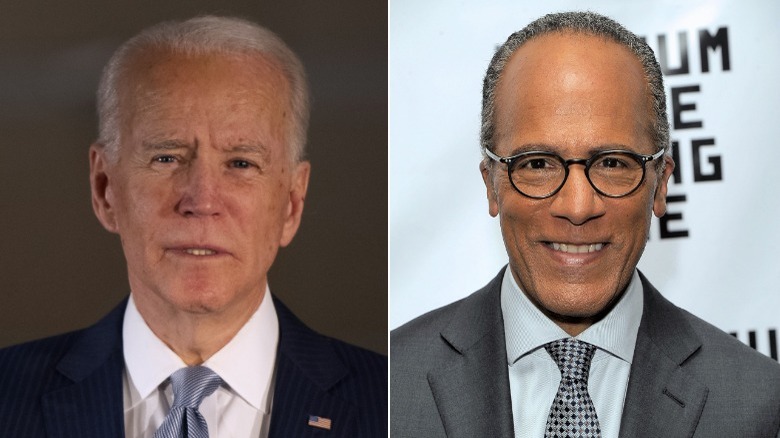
x: 165, y: 145
x: 256, y: 149
x: 168, y: 145
x: 248, y: 148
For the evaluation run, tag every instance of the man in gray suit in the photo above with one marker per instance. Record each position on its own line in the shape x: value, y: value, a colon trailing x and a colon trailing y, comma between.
x: 570, y: 339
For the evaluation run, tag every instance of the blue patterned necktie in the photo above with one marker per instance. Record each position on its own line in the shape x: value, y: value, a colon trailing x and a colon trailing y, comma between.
x: 190, y: 386
x: 572, y: 413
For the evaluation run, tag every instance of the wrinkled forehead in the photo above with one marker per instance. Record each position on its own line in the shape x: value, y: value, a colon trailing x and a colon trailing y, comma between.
x: 154, y: 76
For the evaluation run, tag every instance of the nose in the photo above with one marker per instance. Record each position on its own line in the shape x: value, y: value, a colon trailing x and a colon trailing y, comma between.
x: 201, y: 195
x: 577, y: 201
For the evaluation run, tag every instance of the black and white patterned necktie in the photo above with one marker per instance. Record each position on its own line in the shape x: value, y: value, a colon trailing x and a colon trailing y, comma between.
x: 190, y: 386
x: 572, y: 413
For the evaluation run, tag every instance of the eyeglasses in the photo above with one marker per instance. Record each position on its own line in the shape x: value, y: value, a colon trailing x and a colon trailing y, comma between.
x: 540, y: 174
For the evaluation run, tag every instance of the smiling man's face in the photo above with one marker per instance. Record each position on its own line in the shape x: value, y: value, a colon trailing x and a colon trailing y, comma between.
x: 203, y: 191
x: 573, y: 253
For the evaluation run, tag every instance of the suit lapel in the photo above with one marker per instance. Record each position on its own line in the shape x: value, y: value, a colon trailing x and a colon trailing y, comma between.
x: 662, y: 399
x: 307, y: 368
x: 471, y: 390
x: 88, y: 402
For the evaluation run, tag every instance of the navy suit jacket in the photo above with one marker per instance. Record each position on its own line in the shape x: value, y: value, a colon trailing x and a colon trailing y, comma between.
x: 71, y: 385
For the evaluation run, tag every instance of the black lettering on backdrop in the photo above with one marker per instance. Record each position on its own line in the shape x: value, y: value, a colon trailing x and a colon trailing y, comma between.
x: 719, y: 40
x: 699, y: 174
x: 677, y: 172
x: 678, y: 108
x: 714, y: 160
x: 707, y: 42
x: 753, y: 344
x: 706, y: 167
x: 664, y: 220
x: 663, y: 55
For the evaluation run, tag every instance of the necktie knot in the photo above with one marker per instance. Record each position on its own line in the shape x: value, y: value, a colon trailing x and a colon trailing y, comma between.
x: 192, y: 384
x: 572, y: 356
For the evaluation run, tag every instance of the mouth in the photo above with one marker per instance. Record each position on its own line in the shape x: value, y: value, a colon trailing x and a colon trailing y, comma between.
x: 572, y: 248
x: 200, y: 251
x: 197, y: 250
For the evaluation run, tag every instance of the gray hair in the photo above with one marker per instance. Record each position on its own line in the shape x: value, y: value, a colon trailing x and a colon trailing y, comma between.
x: 204, y: 35
x: 587, y: 23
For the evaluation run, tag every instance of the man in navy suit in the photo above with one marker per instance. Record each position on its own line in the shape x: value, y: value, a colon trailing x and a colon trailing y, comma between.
x: 199, y: 168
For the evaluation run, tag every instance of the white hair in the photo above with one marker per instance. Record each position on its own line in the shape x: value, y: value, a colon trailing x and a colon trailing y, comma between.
x: 204, y: 35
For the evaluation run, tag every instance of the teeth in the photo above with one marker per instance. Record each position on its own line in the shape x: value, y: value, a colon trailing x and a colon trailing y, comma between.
x: 577, y: 249
x: 199, y: 251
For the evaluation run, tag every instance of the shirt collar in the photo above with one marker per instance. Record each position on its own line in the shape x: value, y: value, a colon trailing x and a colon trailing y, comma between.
x: 245, y: 364
x: 526, y: 328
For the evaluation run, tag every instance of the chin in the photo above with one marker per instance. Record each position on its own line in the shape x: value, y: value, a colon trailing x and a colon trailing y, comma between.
x: 200, y: 298
x: 577, y: 302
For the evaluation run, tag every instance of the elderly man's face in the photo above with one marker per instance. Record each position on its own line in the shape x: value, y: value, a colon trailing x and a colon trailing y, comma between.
x: 573, y: 95
x: 204, y: 190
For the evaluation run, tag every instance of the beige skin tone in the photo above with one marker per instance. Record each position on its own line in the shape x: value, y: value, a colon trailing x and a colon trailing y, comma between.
x: 203, y: 167
x: 574, y: 94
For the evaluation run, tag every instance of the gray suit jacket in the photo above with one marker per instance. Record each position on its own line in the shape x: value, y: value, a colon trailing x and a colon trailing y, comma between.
x: 449, y: 375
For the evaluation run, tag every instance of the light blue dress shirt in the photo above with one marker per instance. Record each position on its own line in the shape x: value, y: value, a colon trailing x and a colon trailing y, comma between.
x: 533, y: 375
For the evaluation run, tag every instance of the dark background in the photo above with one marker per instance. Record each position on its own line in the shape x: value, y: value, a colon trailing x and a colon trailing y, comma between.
x: 59, y: 270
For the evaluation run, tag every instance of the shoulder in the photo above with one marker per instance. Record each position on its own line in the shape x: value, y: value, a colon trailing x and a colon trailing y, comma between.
x: 741, y: 383
x: 433, y: 342
x: 359, y: 372
x: 53, y: 361
x: 27, y: 372
x: 32, y: 360
x: 366, y: 377
x: 428, y: 336
x: 416, y: 348
x: 425, y: 328
x: 722, y: 354
x: 358, y: 358
x: 714, y: 352
x: 311, y: 364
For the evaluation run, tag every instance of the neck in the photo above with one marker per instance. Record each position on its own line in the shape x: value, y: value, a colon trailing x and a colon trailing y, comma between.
x: 574, y: 328
x: 194, y: 336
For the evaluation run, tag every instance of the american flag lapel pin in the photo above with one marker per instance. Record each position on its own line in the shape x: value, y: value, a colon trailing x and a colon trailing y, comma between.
x: 321, y: 422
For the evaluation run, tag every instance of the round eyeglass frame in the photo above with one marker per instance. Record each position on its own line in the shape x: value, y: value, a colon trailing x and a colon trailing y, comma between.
x: 640, y: 158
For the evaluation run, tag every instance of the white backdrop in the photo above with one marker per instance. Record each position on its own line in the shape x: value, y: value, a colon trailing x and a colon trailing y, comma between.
x: 726, y: 197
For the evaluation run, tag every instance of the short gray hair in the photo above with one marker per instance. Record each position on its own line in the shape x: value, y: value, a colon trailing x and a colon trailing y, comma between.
x: 586, y: 23
x: 204, y: 35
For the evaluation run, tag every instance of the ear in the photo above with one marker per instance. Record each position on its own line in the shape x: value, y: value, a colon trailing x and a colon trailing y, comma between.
x: 102, y: 190
x: 659, y: 199
x: 492, y: 195
x: 300, y: 183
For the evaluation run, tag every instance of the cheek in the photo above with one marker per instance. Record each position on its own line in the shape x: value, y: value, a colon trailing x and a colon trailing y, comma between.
x: 518, y: 224
x: 143, y: 208
x: 635, y: 219
x: 265, y: 215
x: 519, y: 215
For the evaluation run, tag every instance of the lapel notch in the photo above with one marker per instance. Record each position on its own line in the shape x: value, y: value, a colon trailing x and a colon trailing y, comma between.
x: 663, y: 398
x: 89, y: 403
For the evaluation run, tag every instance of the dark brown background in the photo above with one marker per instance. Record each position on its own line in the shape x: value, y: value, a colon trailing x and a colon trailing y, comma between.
x: 59, y: 270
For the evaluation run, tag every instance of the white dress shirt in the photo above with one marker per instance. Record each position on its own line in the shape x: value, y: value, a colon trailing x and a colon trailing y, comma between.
x: 534, y: 376
x: 241, y: 407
